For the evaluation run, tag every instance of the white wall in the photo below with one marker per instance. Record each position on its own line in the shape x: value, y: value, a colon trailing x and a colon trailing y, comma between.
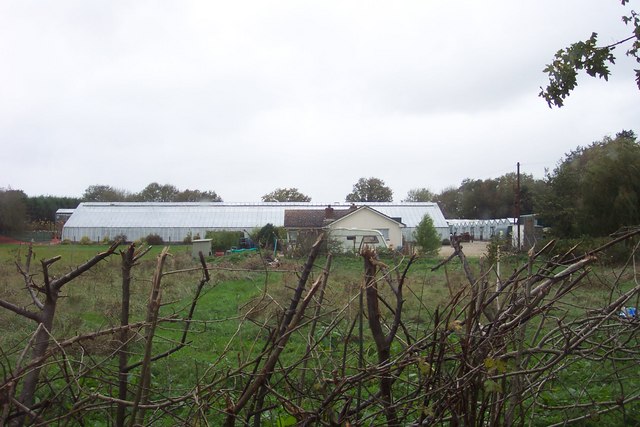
x: 168, y: 234
x: 368, y: 219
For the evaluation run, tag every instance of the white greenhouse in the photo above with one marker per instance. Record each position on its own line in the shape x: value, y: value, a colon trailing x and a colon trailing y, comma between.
x: 482, y: 229
x: 175, y: 221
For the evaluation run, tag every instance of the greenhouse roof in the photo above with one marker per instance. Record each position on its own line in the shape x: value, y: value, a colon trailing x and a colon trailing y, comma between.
x: 226, y: 215
x: 481, y: 222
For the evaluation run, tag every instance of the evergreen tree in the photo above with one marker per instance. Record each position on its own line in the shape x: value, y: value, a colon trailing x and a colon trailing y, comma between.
x: 427, y: 236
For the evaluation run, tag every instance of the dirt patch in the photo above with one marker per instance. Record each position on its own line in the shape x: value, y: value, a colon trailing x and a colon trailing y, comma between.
x: 4, y: 240
x: 9, y: 240
x: 471, y: 249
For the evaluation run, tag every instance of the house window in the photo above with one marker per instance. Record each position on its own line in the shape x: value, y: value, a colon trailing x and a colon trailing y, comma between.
x: 384, y: 232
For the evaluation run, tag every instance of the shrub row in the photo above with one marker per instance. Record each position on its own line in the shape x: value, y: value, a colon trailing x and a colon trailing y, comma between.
x: 616, y: 254
x: 151, y: 239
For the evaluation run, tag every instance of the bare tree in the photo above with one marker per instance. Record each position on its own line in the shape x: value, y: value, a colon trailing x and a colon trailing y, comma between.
x: 50, y: 289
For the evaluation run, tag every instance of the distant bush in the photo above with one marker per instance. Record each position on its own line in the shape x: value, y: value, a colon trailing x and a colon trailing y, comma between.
x: 121, y: 237
x: 267, y: 236
x: 614, y: 255
x: 84, y: 240
x: 66, y: 242
x: 331, y: 245
x: 493, y: 250
x: 154, y: 239
x: 253, y: 262
x: 388, y: 252
x: 223, y: 240
x: 446, y: 242
x: 305, y: 240
x: 187, y: 240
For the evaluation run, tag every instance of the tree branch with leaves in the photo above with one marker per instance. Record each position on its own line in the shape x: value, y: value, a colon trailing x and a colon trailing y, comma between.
x: 587, y: 56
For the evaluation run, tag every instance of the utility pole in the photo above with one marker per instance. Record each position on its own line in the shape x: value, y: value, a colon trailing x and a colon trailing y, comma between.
x: 517, y: 213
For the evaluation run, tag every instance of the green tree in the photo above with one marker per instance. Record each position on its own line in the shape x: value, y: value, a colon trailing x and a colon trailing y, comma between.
x: 43, y: 208
x: 370, y: 190
x: 478, y: 198
x: 197, y: 196
x: 595, y: 190
x: 155, y: 192
x: 506, y: 189
x: 286, y: 195
x: 449, y: 202
x: 420, y: 195
x: 13, y: 210
x: 427, y: 236
x: 490, y: 198
x: 588, y: 56
x: 105, y: 193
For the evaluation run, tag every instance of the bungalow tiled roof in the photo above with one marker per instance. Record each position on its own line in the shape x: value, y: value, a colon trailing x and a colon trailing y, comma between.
x: 307, y: 218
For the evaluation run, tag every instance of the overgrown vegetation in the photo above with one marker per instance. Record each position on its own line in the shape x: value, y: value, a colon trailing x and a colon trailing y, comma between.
x: 154, y: 239
x: 322, y: 341
x: 595, y: 190
x: 269, y: 236
x: 224, y: 240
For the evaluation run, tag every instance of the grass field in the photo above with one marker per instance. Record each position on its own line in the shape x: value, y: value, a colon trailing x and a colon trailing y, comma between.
x: 244, y: 299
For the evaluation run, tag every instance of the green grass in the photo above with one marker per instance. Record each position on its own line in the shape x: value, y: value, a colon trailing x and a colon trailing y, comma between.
x: 223, y: 335
x: 71, y: 255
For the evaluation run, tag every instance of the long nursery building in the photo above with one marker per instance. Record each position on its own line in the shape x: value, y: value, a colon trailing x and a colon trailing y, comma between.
x: 175, y: 221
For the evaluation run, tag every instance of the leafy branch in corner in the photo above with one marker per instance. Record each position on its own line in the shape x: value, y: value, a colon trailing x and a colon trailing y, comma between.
x: 588, y: 56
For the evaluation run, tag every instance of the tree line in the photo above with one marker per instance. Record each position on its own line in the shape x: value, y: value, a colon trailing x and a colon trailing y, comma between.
x: 153, y: 192
x: 593, y: 190
x: 17, y: 209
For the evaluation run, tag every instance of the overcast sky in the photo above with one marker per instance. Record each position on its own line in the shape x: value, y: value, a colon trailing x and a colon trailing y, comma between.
x: 242, y: 97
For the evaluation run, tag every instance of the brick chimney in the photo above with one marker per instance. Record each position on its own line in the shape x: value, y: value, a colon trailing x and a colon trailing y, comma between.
x: 328, y: 213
